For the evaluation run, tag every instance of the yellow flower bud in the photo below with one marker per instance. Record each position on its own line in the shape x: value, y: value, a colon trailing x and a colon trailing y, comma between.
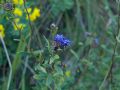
x: 18, y: 12
x: 2, y: 34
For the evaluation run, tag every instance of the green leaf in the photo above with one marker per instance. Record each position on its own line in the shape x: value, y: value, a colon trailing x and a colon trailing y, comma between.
x: 59, y: 71
x: 39, y: 67
x: 52, y: 59
x: 118, y: 38
x: 49, y: 80
x: 75, y: 54
x: 48, y: 44
x: 37, y: 77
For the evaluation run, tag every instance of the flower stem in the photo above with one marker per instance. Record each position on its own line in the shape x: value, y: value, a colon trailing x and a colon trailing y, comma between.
x: 9, y: 62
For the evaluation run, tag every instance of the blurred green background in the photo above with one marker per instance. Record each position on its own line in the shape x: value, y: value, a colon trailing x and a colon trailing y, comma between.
x: 92, y: 60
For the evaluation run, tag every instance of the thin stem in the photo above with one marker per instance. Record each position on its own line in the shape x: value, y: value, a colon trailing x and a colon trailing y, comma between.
x: 115, y: 47
x: 28, y: 16
x: 110, y: 71
x: 9, y: 62
x: 30, y: 24
x: 29, y: 68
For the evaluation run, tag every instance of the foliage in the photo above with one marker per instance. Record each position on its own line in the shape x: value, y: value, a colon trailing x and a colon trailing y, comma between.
x: 59, y: 45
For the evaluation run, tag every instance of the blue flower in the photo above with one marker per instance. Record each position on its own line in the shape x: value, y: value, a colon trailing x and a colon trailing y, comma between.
x: 9, y: 6
x: 58, y: 38
x: 66, y: 42
x: 61, y: 40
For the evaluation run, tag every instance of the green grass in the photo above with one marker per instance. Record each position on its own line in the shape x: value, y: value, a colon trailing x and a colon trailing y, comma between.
x: 91, y: 25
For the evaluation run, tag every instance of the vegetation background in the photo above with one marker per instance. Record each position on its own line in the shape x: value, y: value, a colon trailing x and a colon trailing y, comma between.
x: 28, y: 60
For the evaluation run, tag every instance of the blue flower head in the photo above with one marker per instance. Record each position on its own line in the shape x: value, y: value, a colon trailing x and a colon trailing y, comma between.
x: 66, y: 42
x: 9, y: 6
x: 61, y: 40
x: 58, y: 38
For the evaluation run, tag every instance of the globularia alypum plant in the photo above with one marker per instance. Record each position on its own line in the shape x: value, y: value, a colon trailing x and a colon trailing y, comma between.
x: 50, y: 72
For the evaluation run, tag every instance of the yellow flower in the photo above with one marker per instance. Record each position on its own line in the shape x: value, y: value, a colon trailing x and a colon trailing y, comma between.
x: 15, y: 1
x: 18, y: 12
x: 2, y: 34
x: 20, y: 2
x: 19, y: 26
x: 68, y: 73
x: 34, y: 14
x: 32, y: 17
x: 29, y: 10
